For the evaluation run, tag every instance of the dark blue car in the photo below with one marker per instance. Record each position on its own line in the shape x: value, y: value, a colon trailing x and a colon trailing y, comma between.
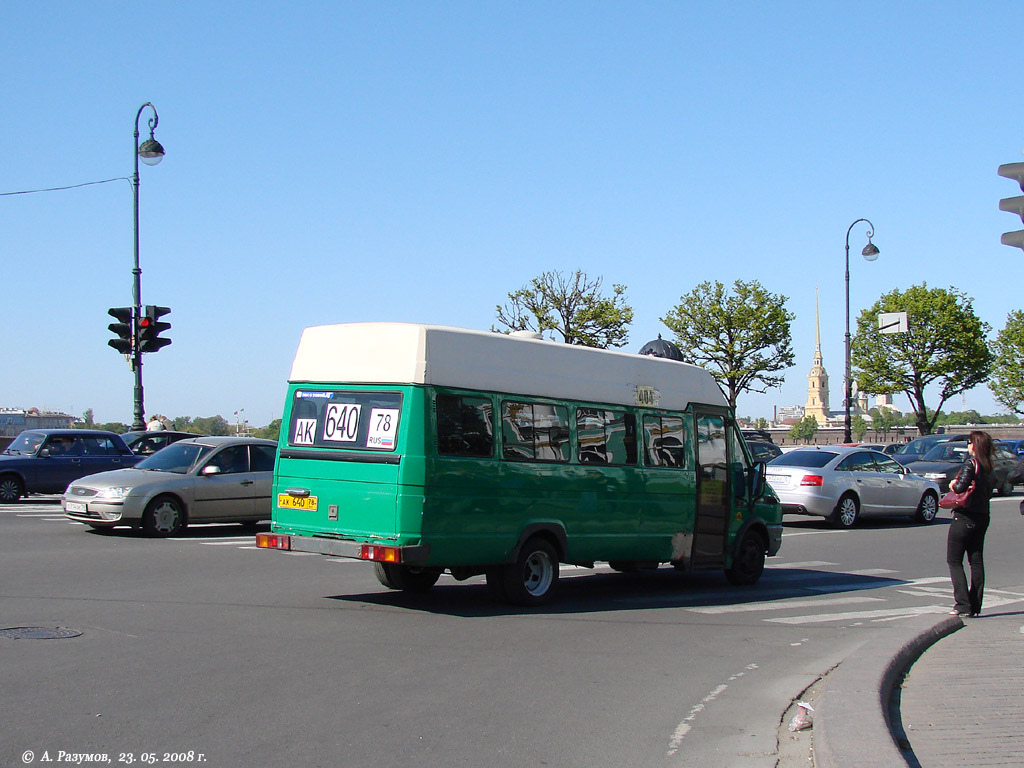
x: 47, y: 460
x: 1016, y: 447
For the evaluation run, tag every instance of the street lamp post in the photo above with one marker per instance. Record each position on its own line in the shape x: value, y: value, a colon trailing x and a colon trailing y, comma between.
x: 151, y: 153
x: 870, y: 253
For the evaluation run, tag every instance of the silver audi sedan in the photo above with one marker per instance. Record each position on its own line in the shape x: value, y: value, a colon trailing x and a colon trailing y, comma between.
x: 200, y: 479
x: 842, y: 483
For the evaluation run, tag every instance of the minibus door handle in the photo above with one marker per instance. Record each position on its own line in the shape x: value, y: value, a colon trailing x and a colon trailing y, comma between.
x: 300, y: 492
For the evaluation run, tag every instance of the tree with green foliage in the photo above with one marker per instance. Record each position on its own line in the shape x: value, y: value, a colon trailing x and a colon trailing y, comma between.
x: 945, y: 346
x: 741, y: 337
x: 573, y: 307
x: 1007, y: 382
x: 884, y: 420
x: 858, y: 427
x: 805, y: 429
x: 270, y: 432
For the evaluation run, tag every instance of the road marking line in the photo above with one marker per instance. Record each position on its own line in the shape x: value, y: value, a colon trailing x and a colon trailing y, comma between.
x: 685, y: 726
x: 807, y: 564
x: 861, y: 615
x: 783, y: 604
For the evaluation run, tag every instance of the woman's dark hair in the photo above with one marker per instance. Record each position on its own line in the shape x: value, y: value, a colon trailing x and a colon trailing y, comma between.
x: 983, y: 449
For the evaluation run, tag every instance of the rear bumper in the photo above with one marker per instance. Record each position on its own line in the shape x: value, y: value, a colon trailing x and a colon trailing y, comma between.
x: 357, y: 550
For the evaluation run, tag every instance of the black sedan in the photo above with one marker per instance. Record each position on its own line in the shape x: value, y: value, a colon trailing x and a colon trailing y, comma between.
x: 47, y: 460
x: 943, y: 461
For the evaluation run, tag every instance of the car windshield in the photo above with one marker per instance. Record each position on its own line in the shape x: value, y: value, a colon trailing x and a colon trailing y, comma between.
x: 178, y: 458
x: 947, y: 452
x: 26, y: 444
x: 804, y: 458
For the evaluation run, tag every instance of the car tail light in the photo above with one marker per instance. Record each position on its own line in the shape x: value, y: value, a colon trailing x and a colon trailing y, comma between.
x: 273, y: 541
x: 816, y: 480
x: 380, y: 554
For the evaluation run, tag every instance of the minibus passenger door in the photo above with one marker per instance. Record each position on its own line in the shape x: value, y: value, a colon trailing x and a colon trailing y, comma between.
x: 714, y: 485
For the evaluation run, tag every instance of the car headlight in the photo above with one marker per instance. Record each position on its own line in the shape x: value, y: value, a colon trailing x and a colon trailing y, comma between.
x: 117, y: 493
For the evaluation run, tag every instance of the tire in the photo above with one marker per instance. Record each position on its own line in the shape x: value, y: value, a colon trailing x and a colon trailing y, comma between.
x: 11, y: 489
x: 406, y: 578
x: 1006, y: 489
x: 531, y: 580
x: 846, y: 512
x: 748, y: 560
x: 164, y: 516
x: 928, y: 508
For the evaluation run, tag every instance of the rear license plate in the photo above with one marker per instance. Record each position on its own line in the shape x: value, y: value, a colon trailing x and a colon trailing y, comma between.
x: 74, y: 506
x: 778, y: 479
x: 286, y: 501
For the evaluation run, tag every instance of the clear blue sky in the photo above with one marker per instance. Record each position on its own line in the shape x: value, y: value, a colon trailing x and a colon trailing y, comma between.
x: 416, y: 161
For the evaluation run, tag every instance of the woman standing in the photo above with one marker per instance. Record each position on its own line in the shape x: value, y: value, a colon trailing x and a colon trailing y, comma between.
x: 970, y: 522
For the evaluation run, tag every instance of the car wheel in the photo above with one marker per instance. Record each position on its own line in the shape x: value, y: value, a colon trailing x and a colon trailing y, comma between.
x: 748, y: 562
x: 406, y: 578
x: 928, y: 508
x: 163, y: 517
x: 11, y: 489
x: 531, y: 579
x: 1006, y: 489
x: 846, y: 511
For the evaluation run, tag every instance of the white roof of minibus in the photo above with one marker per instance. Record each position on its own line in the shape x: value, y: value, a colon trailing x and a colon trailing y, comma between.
x: 409, y: 353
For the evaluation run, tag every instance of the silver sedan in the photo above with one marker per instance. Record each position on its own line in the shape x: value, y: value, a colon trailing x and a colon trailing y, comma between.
x: 842, y: 483
x: 201, y: 479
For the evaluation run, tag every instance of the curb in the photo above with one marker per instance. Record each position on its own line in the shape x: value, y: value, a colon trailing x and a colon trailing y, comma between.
x: 851, y: 724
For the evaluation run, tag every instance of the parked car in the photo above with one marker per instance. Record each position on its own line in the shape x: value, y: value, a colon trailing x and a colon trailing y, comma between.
x: 762, y: 451
x: 149, y: 442
x: 757, y: 434
x: 919, y: 446
x: 198, y: 479
x: 1015, y: 447
x: 943, y: 461
x: 887, y: 448
x: 46, y: 460
x: 843, y: 483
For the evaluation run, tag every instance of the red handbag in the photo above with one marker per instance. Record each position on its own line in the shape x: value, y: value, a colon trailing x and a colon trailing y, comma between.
x: 954, y: 500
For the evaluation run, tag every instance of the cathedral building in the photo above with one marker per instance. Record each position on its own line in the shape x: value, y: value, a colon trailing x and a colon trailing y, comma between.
x: 817, y: 379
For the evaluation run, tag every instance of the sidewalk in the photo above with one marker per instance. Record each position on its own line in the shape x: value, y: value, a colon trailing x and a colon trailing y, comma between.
x: 962, y: 702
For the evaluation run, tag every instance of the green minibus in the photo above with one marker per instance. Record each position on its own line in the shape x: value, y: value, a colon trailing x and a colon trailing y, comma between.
x: 427, y: 449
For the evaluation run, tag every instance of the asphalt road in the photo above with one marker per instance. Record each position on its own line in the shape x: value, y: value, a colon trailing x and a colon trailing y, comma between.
x: 202, y: 649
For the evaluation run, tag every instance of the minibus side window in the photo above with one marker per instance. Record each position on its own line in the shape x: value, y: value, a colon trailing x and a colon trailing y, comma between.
x: 605, y: 437
x: 665, y: 443
x: 535, y: 432
x: 464, y: 426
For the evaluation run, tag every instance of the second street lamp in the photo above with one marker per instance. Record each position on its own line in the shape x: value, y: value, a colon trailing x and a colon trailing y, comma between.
x: 151, y: 153
x: 870, y: 253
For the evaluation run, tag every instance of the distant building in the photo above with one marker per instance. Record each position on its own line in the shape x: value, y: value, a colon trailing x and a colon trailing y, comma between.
x: 14, y: 421
x: 817, y: 379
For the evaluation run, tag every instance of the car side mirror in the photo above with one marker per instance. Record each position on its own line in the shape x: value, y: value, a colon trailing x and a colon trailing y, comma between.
x: 757, y: 479
x: 44, y: 453
x: 211, y: 469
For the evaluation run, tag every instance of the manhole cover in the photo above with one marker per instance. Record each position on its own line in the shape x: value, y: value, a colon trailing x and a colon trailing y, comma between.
x: 38, y: 633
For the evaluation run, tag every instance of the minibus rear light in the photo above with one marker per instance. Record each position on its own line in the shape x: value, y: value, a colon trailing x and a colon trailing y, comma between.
x: 380, y: 554
x: 273, y: 541
x: 816, y: 480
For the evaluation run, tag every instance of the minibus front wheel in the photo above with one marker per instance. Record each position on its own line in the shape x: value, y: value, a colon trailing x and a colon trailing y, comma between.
x: 406, y: 578
x: 531, y: 579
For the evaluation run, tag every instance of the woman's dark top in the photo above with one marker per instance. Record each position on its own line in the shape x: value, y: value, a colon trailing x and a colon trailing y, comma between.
x: 978, y: 505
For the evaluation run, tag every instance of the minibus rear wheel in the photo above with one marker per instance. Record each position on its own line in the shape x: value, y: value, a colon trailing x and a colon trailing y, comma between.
x: 532, y: 578
x: 405, y: 577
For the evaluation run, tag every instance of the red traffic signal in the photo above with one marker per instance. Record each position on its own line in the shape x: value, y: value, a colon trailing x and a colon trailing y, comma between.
x: 150, y: 328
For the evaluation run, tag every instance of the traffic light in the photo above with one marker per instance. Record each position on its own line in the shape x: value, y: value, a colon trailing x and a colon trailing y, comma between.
x: 1013, y: 171
x: 122, y: 329
x: 150, y: 329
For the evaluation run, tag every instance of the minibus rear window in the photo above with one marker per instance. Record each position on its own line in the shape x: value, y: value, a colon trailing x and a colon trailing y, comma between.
x: 331, y: 419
